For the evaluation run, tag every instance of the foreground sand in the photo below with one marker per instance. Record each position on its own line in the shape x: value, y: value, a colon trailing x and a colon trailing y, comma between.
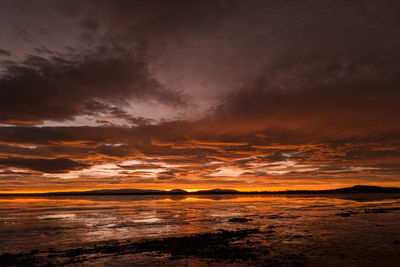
x: 241, y: 247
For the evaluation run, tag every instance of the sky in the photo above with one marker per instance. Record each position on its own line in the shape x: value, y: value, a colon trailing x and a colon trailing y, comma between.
x: 248, y: 95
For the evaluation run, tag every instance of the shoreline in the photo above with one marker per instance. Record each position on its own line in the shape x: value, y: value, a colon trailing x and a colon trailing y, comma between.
x: 357, y: 189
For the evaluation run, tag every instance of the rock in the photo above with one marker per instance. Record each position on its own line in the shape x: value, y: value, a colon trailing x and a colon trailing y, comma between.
x: 344, y: 214
x: 375, y: 211
x: 381, y: 210
x: 239, y: 220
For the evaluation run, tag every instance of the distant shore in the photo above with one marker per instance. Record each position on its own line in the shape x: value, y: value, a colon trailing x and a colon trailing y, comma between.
x: 348, y: 190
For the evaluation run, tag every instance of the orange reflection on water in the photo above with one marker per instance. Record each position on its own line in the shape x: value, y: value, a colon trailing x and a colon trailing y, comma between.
x: 30, y: 222
x: 38, y: 200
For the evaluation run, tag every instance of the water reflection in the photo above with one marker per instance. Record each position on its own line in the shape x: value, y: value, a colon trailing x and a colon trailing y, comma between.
x: 61, y: 221
x: 243, y: 197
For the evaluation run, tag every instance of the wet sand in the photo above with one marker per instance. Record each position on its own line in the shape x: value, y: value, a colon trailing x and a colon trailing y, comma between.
x: 240, y: 247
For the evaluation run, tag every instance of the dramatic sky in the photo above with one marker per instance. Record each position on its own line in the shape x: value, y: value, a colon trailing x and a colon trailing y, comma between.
x: 163, y: 94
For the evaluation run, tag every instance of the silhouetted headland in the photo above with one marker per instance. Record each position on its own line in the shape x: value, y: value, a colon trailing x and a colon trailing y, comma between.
x: 358, y: 189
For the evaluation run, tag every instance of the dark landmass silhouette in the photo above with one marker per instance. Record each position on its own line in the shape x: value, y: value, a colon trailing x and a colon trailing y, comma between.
x: 358, y: 189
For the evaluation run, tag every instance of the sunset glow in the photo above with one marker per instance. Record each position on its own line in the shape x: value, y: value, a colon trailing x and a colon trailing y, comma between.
x: 242, y: 95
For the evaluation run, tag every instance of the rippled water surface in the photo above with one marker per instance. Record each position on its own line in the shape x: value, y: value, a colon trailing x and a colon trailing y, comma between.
x: 28, y: 223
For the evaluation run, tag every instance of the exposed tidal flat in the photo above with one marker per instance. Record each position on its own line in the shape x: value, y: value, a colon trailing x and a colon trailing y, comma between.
x: 216, y: 230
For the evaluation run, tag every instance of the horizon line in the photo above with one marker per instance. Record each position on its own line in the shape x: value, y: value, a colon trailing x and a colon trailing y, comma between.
x: 177, y: 191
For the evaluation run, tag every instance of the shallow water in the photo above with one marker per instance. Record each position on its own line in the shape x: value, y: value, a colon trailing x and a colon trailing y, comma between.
x: 306, y: 224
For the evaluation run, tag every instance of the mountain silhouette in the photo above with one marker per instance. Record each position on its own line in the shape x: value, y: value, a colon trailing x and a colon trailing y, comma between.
x: 357, y: 189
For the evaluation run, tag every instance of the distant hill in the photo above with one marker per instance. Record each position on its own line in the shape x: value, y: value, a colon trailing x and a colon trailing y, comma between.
x: 358, y: 189
x: 123, y: 192
x: 217, y: 192
x: 364, y: 189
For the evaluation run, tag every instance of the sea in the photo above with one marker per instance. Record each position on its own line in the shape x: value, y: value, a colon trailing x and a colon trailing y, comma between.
x: 326, y: 228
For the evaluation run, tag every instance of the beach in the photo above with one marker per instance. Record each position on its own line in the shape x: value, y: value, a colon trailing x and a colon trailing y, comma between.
x: 216, y: 230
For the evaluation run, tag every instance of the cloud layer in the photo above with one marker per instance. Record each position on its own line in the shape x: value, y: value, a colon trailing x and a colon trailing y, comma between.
x: 204, y: 94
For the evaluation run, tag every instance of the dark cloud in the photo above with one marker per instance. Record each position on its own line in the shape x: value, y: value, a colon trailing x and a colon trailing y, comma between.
x: 164, y: 177
x: 59, y: 165
x: 265, y: 93
x: 69, y: 135
x: 169, y: 175
x: 116, y: 151
x: 90, y: 25
x: 140, y: 166
x: 4, y: 52
x: 160, y: 17
x: 333, y: 99
x: 60, y: 89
